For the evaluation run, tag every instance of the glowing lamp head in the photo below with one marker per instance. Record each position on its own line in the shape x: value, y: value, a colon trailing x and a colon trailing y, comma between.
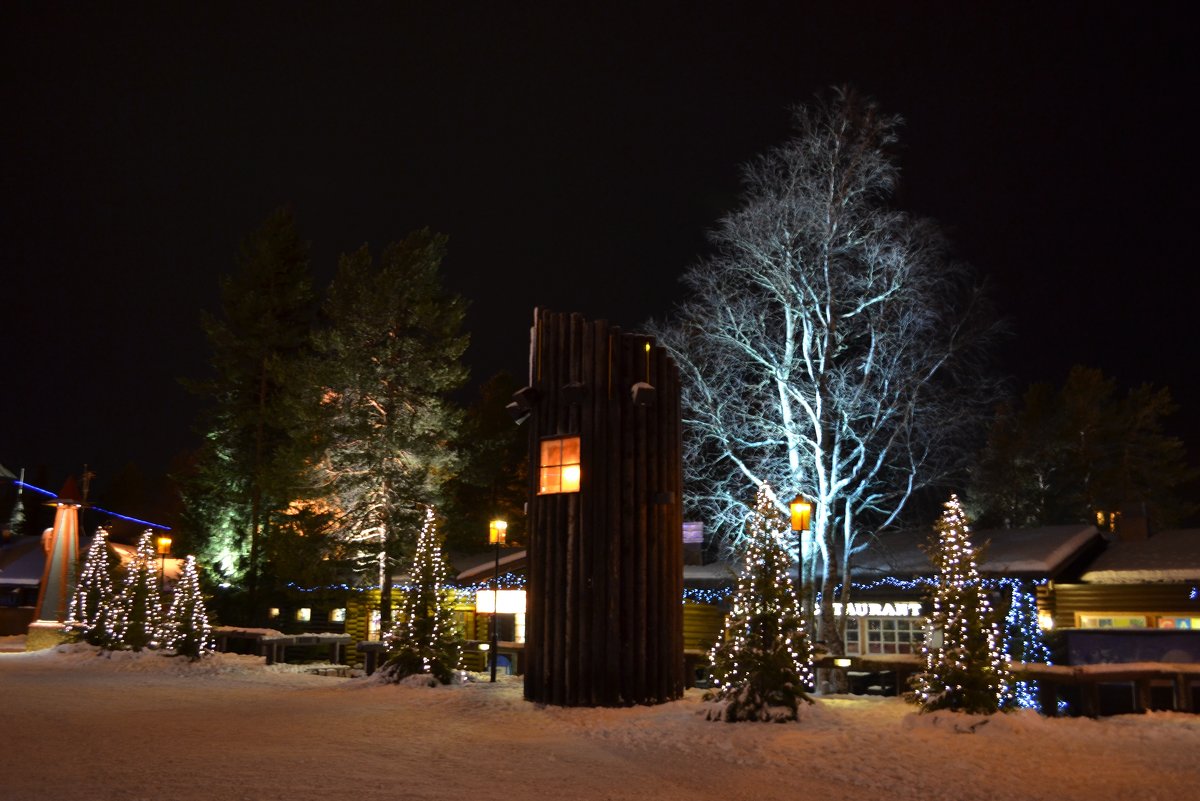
x: 801, y: 509
x: 497, y: 532
x: 163, y: 544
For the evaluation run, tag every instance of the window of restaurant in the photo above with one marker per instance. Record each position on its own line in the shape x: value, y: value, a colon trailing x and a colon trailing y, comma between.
x: 866, y: 636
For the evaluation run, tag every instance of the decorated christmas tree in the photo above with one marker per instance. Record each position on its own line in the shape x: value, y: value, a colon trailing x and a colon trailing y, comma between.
x: 187, y: 630
x: 966, y: 669
x: 88, y: 616
x: 1023, y: 641
x: 762, y: 662
x: 137, y: 617
x: 425, y: 640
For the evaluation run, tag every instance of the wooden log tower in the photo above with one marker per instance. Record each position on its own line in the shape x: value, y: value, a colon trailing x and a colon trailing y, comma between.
x: 604, y: 620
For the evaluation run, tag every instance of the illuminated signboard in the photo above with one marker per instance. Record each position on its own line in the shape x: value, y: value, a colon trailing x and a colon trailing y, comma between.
x: 890, y: 609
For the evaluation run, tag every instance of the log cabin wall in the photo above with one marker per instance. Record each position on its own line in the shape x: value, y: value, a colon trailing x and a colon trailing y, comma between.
x: 604, y: 616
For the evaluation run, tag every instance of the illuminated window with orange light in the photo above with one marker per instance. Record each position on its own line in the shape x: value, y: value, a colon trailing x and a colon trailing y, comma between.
x: 559, y: 466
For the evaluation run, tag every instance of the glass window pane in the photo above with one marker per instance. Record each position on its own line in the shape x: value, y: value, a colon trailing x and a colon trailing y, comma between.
x: 549, y: 480
x: 570, y: 450
x: 551, y: 452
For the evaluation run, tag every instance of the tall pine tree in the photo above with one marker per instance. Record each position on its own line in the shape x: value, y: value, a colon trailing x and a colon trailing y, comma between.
x: 966, y: 669
x: 762, y: 662
x: 137, y: 616
x: 187, y: 630
x: 389, y: 358
x: 425, y: 640
x: 252, y: 462
x: 92, y: 603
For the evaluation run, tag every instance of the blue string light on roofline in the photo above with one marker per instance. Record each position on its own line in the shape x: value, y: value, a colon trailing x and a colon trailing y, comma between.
x: 100, y: 509
x: 508, y: 581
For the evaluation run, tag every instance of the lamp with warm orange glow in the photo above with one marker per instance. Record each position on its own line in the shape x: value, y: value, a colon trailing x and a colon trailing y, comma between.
x: 163, y: 543
x: 497, y: 532
x: 801, y: 509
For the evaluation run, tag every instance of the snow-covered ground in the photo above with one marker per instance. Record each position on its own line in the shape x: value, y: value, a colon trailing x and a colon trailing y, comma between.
x: 79, y: 726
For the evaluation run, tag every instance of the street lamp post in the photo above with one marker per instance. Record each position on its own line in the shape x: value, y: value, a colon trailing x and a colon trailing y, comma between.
x: 801, y: 509
x: 497, y: 531
x: 164, y: 550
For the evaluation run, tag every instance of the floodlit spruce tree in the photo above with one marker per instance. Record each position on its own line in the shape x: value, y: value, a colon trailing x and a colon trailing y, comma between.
x: 762, y: 662
x: 388, y: 359
x: 826, y: 345
x: 966, y: 669
x: 92, y: 602
x: 425, y: 640
x: 187, y: 630
x: 255, y: 453
x: 137, y: 618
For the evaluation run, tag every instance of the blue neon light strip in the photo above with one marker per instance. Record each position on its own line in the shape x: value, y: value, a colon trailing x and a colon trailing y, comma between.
x: 35, y: 489
x: 100, y: 509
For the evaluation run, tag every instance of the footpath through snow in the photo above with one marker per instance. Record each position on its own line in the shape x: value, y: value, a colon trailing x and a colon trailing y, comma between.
x: 143, y: 726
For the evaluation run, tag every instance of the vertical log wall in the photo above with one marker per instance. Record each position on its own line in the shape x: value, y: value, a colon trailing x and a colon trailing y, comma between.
x: 604, y: 620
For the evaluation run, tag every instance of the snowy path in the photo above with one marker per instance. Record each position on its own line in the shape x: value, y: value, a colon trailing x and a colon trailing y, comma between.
x: 81, y: 727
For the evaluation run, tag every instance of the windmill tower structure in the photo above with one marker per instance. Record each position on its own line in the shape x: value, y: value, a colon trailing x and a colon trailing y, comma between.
x: 59, y: 575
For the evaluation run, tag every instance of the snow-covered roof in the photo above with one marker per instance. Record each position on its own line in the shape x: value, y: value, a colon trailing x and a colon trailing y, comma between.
x: 1040, y: 551
x: 509, y: 559
x: 22, y: 561
x: 1168, y: 556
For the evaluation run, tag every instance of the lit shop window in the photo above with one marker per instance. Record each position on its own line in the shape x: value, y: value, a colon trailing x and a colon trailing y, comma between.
x: 273, y: 613
x: 304, y: 614
x: 559, y: 466
x: 894, y: 635
x: 338, y: 615
x: 1105, y: 621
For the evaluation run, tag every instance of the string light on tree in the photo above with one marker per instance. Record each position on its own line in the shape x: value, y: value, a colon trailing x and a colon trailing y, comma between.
x: 425, y: 639
x: 1023, y: 640
x: 137, y: 615
x: 187, y: 630
x: 762, y: 662
x: 966, y: 668
x: 88, y: 616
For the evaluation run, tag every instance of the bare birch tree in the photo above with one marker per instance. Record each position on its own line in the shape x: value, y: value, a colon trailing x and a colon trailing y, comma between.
x: 826, y: 345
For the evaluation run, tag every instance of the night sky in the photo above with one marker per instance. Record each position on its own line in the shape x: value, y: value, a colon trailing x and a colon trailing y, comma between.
x: 575, y: 160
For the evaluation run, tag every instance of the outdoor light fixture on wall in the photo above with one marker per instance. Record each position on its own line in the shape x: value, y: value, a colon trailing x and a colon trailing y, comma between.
x: 522, y: 404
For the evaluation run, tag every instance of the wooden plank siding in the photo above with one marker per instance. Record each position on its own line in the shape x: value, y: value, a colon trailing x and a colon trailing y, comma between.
x: 604, y: 619
x: 1068, y: 600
